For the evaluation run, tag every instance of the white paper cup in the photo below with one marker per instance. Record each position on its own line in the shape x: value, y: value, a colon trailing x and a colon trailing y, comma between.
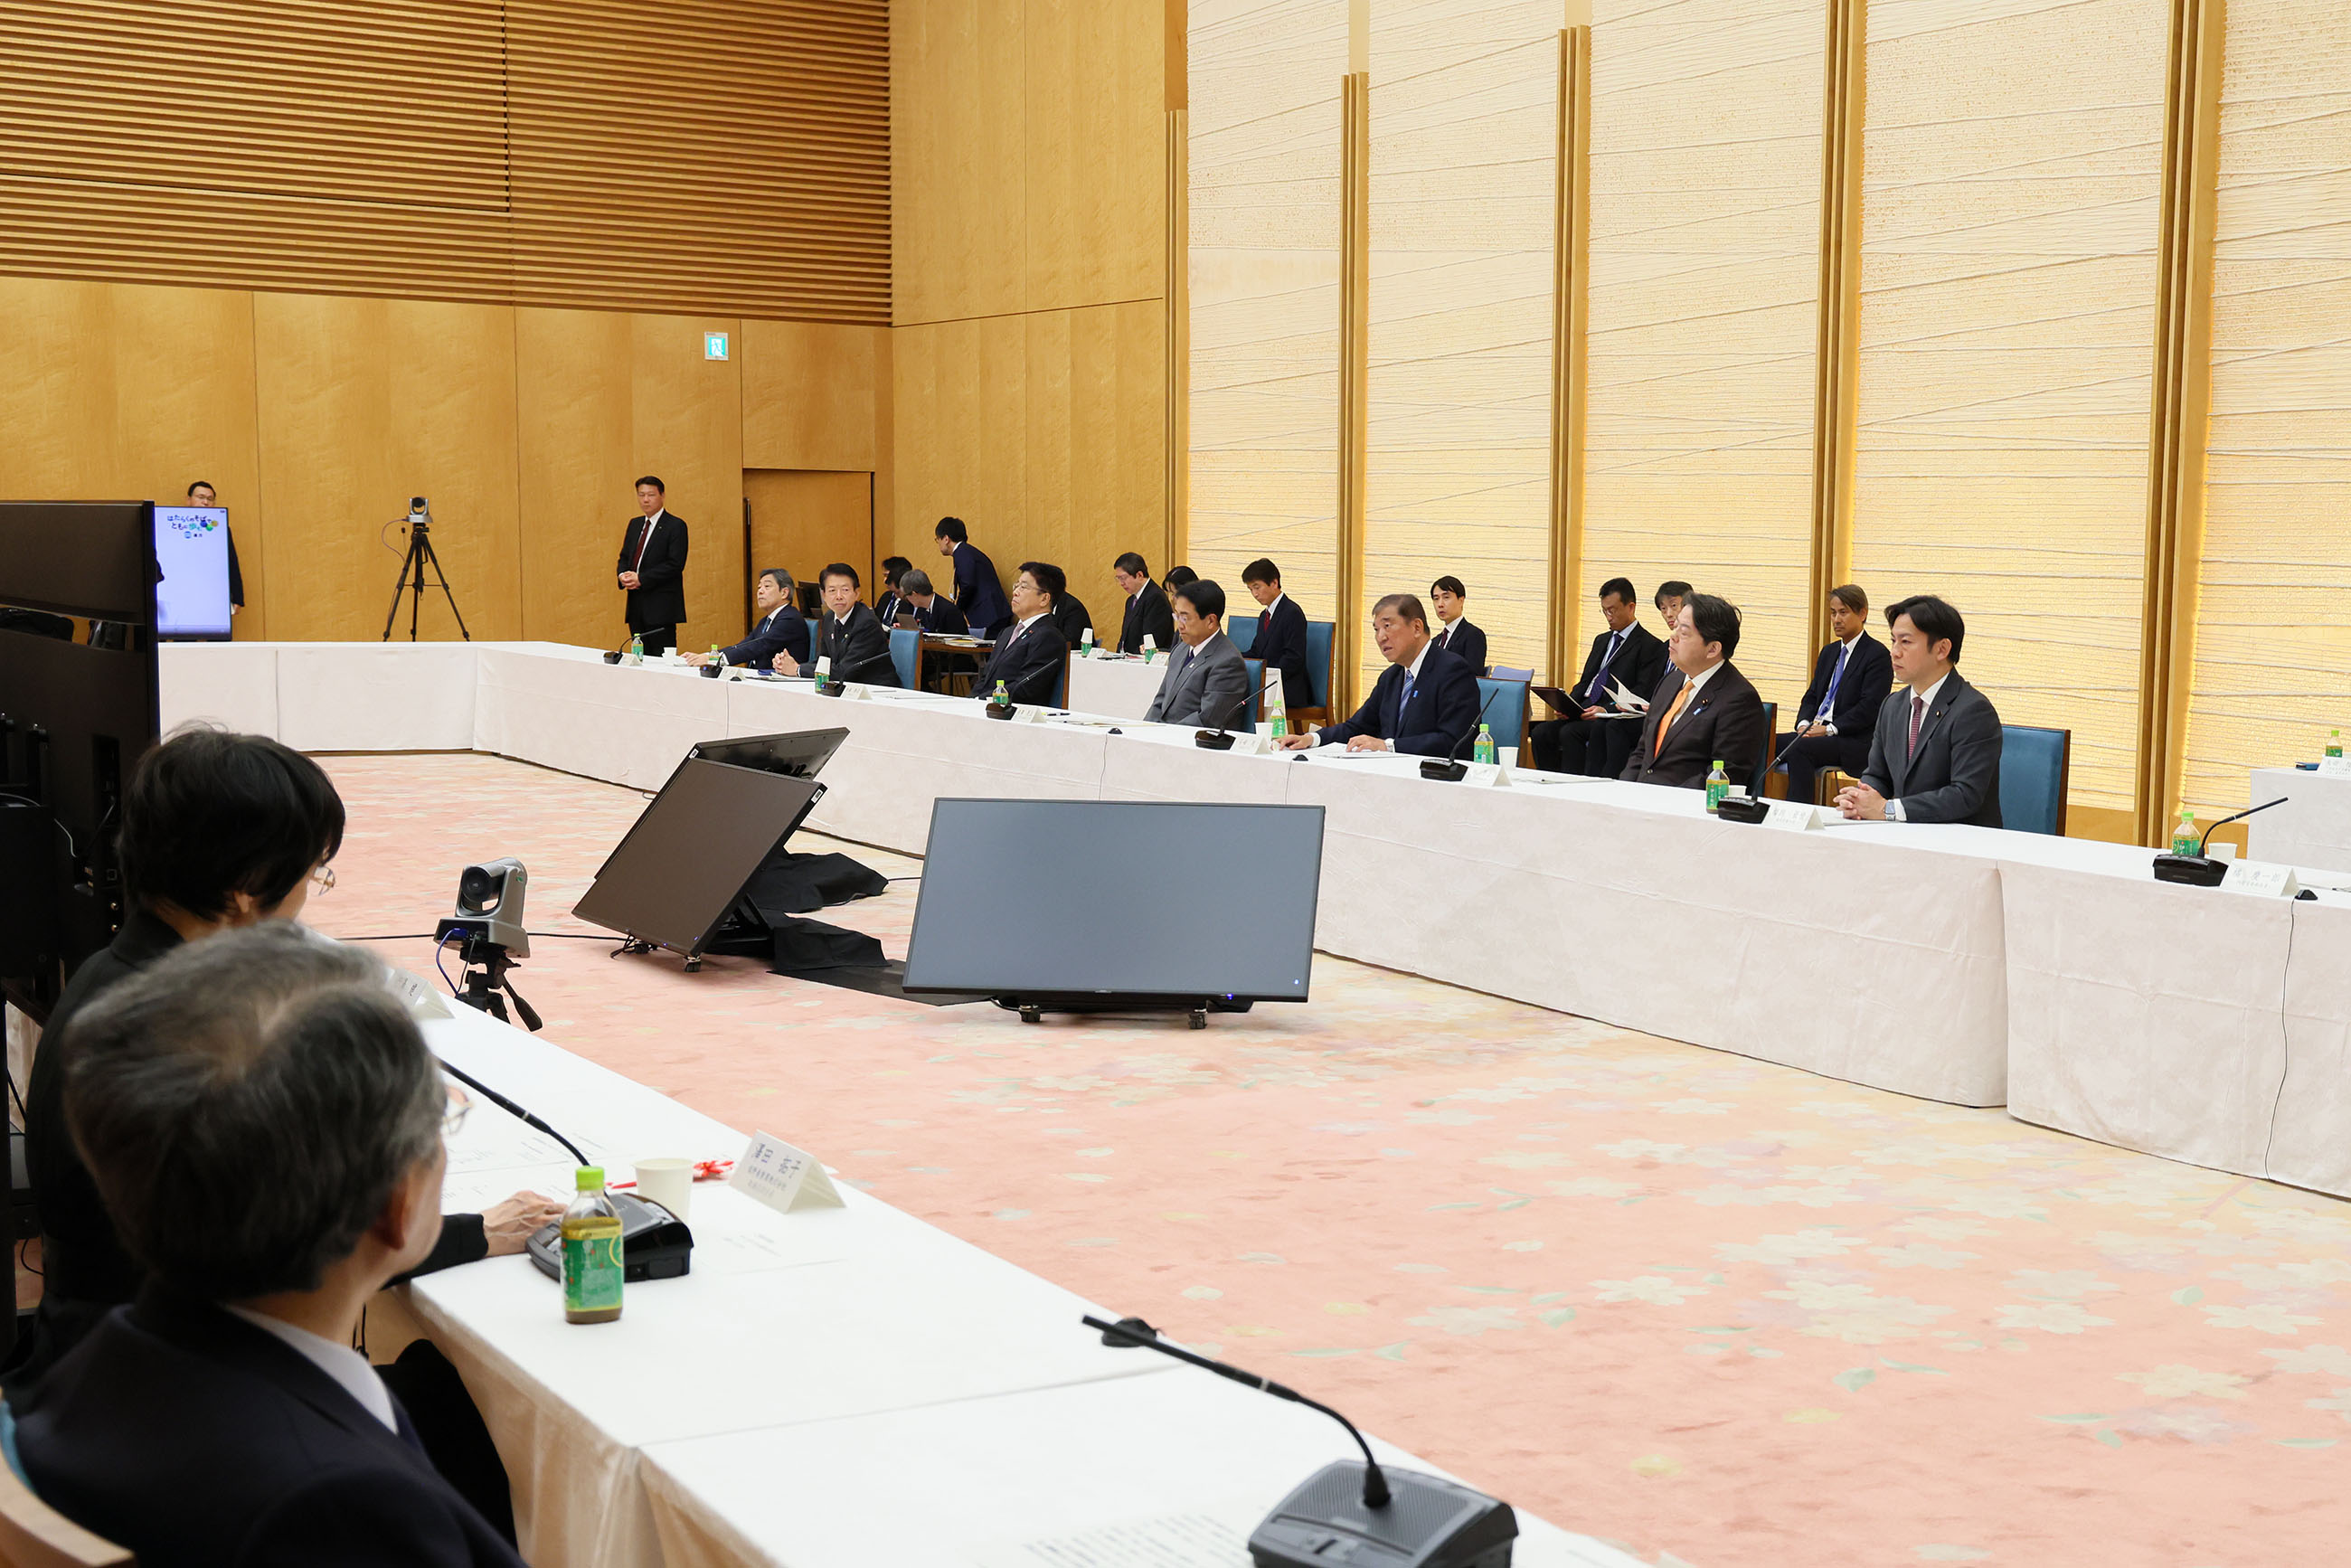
x: 667, y: 1182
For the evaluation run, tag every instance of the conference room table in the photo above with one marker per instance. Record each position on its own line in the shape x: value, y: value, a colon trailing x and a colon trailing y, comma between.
x: 833, y: 1387
x: 2313, y: 827
x: 1117, y: 686
x: 1971, y: 965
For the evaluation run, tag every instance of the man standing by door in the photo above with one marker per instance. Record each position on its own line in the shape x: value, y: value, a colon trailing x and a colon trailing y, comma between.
x: 653, y: 569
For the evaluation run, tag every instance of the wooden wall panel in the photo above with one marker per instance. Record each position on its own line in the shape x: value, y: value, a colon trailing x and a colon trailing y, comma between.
x: 361, y: 405
x: 610, y: 397
x: 961, y: 408
x: 109, y: 392
x: 813, y: 394
x: 1095, y: 181
x: 600, y: 152
x: 804, y: 520
x: 2009, y: 226
x: 958, y: 137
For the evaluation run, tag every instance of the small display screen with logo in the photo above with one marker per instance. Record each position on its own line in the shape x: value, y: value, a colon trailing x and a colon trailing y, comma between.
x: 191, y: 554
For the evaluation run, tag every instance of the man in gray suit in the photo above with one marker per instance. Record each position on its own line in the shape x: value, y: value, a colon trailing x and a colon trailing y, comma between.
x: 1207, y: 684
x: 1935, y: 756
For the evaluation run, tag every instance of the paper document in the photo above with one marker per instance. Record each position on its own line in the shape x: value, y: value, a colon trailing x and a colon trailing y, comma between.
x: 1175, y: 1541
x: 1625, y: 699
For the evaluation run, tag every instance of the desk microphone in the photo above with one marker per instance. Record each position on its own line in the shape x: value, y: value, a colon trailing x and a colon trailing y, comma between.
x: 1452, y: 769
x: 2199, y: 870
x: 1755, y: 808
x: 1217, y: 739
x: 1424, y: 1521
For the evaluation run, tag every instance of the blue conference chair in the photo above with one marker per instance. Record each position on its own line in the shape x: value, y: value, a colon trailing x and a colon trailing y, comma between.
x: 1318, y: 669
x: 1763, y: 764
x: 1504, y: 703
x: 1256, y: 668
x: 1504, y: 673
x: 906, y: 654
x: 1242, y: 629
x: 2035, y: 767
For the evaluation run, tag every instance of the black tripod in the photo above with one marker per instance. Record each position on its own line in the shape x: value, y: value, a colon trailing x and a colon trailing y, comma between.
x: 486, y: 966
x: 411, y: 579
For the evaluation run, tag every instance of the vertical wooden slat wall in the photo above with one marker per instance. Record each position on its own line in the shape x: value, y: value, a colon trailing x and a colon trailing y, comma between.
x: 695, y: 156
x: 1837, y: 361
x: 1354, y: 375
x: 1570, y: 260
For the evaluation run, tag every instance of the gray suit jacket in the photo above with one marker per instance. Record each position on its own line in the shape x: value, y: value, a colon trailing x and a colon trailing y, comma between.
x: 1954, y: 775
x: 1210, y: 688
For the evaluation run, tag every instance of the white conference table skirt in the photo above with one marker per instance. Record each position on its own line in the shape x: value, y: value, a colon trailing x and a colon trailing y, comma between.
x: 2313, y: 827
x: 1116, y: 688
x: 789, y: 1327
x: 1941, y: 961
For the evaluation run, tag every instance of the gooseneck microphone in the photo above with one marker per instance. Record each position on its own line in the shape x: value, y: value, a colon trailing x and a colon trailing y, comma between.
x: 1754, y: 807
x: 508, y: 1106
x: 1452, y: 769
x: 1135, y: 1332
x: 2199, y: 870
x: 1217, y: 739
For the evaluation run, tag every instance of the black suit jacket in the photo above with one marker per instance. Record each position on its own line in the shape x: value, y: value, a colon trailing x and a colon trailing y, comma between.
x: 197, y: 1440
x: 1030, y: 664
x: 886, y: 608
x: 1860, y: 692
x: 87, y: 1271
x: 978, y: 592
x: 859, y: 647
x: 1954, y: 775
x: 1281, y: 645
x: 942, y: 617
x: 1440, y: 714
x: 660, y: 600
x: 783, y: 630
x: 1148, y: 614
x: 1639, y: 664
x: 1723, y: 722
x: 1464, y: 642
x: 1071, y: 614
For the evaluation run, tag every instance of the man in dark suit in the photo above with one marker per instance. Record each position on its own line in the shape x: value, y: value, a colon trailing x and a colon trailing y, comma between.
x: 893, y: 571
x: 1454, y: 634
x: 1839, y: 713
x: 1935, y: 756
x: 934, y: 611
x: 653, y: 569
x: 1207, y: 682
x: 1032, y: 652
x: 1071, y: 614
x: 202, y: 494
x: 265, y: 1123
x: 1704, y: 711
x: 1148, y: 614
x: 1281, y: 632
x: 1425, y: 703
x: 850, y: 638
x: 1625, y: 653
x: 780, y: 628
x: 978, y: 593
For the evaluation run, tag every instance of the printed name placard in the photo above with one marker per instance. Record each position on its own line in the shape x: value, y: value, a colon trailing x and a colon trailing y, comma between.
x: 2335, y: 768
x: 1793, y: 817
x: 783, y: 1177
x: 2261, y: 879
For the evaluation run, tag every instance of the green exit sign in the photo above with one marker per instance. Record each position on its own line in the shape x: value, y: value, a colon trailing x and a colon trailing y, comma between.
x: 714, y: 345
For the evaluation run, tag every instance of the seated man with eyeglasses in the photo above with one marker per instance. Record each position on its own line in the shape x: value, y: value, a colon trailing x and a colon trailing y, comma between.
x: 219, y: 832
x: 265, y: 1123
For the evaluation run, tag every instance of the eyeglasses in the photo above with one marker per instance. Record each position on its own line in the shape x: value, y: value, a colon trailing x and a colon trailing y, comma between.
x: 325, y: 877
x: 460, y: 1104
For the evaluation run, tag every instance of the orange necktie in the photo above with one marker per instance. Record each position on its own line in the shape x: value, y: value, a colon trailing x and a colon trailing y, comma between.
x: 1672, y: 712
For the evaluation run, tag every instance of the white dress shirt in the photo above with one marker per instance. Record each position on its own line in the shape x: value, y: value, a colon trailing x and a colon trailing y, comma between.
x: 347, y: 1366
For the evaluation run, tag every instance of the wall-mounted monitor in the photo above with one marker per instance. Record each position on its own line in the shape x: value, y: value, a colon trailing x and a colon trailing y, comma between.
x: 192, y: 553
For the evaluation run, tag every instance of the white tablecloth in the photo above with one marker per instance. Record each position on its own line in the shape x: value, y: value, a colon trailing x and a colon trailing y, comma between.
x: 1941, y: 961
x: 2313, y: 827
x: 801, y: 1330
x: 1117, y: 688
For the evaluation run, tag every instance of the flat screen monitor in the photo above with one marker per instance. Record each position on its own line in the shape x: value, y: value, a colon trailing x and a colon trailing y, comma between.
x: 191, y: 555
x: 800, y: 753
x: 678, y: 871
x: 1095, y: 899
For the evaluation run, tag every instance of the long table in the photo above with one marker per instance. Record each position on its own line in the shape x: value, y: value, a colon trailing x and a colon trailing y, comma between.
x: 1971, y: 965
x: 830, y: 1388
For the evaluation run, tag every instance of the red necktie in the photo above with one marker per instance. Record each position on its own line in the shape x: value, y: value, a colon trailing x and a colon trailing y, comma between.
x: 643, y: 541
x: 1918, y: 717
x: 1264, y: 629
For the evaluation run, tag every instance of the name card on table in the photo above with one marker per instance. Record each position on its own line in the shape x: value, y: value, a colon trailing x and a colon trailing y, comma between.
x: 2335, y: 768
x: 2261, y: 879
x: 1031, y: 713
x: 1487, y: 775
x: 859, y: 691
x: 1250, y: 745
x: 1793, y: 817
x: 783, y: 1177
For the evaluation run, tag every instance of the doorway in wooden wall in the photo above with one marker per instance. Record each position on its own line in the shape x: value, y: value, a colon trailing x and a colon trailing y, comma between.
x: 803, y: 518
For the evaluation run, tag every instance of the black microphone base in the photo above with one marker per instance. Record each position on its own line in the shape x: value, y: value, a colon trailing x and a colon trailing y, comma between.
x: 1443, y: 770
x: 1212, y: 739
x: 711, y: 672
x: 829, y: 688
x: 2191, y: 871
x: 1000, y: 710
x: 1743, y: 808
x: 1428, y: 1522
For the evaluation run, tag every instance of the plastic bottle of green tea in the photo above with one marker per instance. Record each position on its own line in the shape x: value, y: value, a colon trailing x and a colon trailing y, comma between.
x: 592, y: 1252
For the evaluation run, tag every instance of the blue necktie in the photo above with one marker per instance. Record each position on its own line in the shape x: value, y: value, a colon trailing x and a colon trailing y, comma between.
x: 1404, y: 696
x: 1592, y: 694
x: 1826, y: 713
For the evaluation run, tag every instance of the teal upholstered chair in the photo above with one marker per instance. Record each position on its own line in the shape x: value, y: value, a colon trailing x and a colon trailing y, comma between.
x: 1318, y: 674
x: 906, y: 654
x: 1242, y: 629
x: 1763, y: 763
x: 1256, y: 668
x: 2036, y: 766
x: 1504, y: 703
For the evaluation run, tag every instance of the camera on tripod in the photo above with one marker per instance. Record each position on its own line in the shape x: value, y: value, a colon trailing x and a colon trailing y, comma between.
x: 487, y: 927
x: 413, y: 563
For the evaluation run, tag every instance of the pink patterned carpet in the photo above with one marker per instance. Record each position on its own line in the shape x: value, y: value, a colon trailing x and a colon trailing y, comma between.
x: 1725, y: 1314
